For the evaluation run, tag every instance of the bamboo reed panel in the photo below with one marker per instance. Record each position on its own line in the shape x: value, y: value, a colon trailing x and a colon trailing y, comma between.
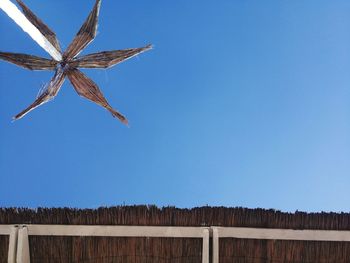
x: 132, y: 249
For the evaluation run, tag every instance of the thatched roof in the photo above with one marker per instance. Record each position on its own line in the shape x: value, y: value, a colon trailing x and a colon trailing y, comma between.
x: 103, y: 249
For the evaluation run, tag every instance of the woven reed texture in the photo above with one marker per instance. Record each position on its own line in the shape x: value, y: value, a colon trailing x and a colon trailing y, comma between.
x: 125, y: 250
x: 29, y: 61
x: 4, y: 245
x: 276, y: 251
x: 171, y: 216
x: 107, y: 249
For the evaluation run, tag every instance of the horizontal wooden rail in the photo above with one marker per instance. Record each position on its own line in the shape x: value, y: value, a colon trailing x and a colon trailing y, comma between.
x: 276, y: 234
x: 5, y: 229
x: 120, y: 231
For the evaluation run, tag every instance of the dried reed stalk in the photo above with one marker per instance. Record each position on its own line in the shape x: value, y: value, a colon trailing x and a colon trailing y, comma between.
x: 103, y: 249
x: 69, y: 65
x: 44, y: 29
x: 29, y: 61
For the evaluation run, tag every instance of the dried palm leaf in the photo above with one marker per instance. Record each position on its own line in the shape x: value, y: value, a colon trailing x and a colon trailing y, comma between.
x: 69, y: 65
x: 47, y: 94
x: 29, y: 61
x: 86, y: 33
x: 107, y: 59
x: 44, y: 29
x: 86, y: 88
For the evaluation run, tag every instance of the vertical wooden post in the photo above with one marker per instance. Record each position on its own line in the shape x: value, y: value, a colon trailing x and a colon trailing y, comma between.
x: 23, y: 255
x: 205, y: 248
x: 215, y: 245
x: 11, y: 258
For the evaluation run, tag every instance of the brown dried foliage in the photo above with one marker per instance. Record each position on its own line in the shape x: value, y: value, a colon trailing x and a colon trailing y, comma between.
x: 47, y: 94
x: 103, y: 249
x: 84, y: 86
x: 85, y: 35
x: 107, y: 59
x: 44, y: 29
x: 29, y: 61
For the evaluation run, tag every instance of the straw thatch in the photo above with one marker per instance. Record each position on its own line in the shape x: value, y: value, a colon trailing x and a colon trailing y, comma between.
x: 102, y: 249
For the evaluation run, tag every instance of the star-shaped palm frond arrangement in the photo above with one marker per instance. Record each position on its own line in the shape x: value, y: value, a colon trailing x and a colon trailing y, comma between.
x: 70, y: 63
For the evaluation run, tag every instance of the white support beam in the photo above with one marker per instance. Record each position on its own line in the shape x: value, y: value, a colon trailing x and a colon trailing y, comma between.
x: 275, y: 234
x: 116, y: 231
x: 23, y: 254
x: 283, y: 234
x: 205, y: 245
x: 5, y: 230
x: 12, y: 250
x: 215, y: 244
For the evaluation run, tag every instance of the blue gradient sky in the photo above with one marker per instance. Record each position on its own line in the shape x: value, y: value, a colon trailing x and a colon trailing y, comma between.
x: 240, y: 103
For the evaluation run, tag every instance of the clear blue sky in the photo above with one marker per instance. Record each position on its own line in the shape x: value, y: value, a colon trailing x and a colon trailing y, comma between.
x: 240, y: 103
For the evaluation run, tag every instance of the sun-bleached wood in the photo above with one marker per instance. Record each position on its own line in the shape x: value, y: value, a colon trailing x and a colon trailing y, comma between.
x: 121, y: 231
x: 23, y: 254
x: 275, y: 234
x: 12, y: 250
x: 5, y: 229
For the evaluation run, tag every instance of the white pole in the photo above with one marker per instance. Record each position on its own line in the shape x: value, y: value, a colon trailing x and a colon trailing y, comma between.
x: 23, y: 254
x: 12, y: 245
x: 13, y: 12
x: 205, y: 246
